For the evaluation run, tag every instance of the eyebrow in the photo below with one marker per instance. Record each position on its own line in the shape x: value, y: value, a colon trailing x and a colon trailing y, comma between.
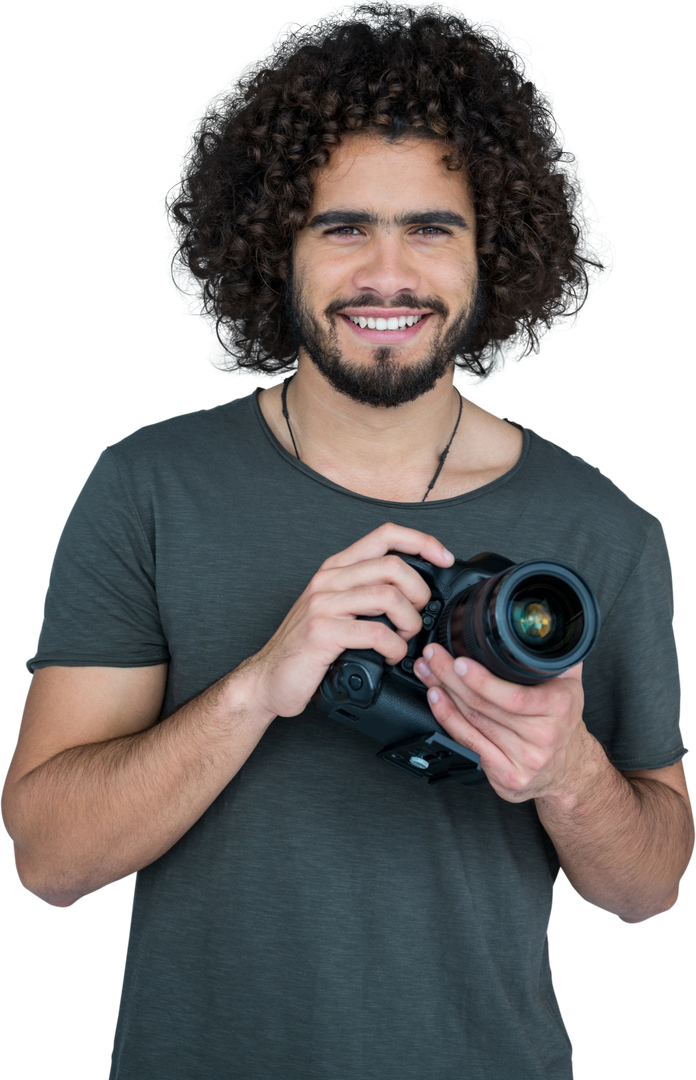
x: 366, y: 217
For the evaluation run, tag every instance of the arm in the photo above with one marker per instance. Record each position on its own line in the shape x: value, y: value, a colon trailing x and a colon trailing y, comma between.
x: 623, y: 840
x: 97, y: 789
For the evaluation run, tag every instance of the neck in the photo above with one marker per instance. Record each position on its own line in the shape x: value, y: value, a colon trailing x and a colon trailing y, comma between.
x: 329, y: 427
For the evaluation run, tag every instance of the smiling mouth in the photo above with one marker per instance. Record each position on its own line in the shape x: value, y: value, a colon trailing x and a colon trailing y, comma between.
x: 393, y: 323
x: 385, y: 336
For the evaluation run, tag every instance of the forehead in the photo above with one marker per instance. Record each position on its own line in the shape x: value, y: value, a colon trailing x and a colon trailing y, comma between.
x: 367, y: 170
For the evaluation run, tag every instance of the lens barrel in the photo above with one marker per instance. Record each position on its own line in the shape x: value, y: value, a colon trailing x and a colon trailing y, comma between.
x: 526, y: 624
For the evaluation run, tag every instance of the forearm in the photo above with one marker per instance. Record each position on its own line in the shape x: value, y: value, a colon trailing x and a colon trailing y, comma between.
x: 623, y: 843
x: 95, y: 813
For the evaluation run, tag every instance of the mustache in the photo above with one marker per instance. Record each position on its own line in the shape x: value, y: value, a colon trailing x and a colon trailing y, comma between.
x: 432, y: 303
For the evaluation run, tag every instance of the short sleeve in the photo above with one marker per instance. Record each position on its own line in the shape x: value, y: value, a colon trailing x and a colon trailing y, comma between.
x: 631, y: 678
x: 101, y: 607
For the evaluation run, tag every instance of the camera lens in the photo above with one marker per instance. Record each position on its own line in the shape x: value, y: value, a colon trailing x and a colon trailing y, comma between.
x: 532, y: 621
x: 526, y: 624
x: 546, y: 617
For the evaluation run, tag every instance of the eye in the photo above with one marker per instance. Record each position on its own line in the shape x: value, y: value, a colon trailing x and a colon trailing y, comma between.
x: 343, y: 230
x: 432, y: 230
x: 340, y: 229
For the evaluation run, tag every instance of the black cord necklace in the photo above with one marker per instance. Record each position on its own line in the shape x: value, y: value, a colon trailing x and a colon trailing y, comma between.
x: 443, y: 456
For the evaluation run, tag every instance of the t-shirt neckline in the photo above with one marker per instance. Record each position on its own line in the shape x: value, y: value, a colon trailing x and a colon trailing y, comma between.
x: 484, y: 489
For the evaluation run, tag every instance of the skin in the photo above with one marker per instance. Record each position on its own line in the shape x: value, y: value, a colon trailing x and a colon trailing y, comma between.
x: 376, y: 417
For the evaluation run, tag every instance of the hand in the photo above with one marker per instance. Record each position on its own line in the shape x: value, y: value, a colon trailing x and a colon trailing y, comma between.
x: 362, y: 580
x: 531, y: 739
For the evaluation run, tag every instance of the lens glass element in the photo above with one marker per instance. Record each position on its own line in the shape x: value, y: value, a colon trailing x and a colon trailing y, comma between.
x: 532, y: 621
x: 546, y: 616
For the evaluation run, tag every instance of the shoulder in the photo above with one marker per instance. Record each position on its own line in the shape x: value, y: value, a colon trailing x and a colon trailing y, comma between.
x: 180, y: 436
x: 580, y: 491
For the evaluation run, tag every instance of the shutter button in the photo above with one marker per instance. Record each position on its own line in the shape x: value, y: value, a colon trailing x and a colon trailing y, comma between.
x: 355, y: 682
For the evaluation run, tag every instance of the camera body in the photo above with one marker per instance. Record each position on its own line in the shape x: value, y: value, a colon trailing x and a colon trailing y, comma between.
x: 526, y: 622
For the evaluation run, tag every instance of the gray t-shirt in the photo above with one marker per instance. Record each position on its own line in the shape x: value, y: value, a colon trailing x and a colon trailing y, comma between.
x: 330, y: 917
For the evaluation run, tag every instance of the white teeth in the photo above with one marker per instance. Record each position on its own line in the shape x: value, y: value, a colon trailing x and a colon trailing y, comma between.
x: 392, y: 323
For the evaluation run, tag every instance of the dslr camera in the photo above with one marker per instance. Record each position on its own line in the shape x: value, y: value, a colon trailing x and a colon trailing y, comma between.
x: 526, y: 622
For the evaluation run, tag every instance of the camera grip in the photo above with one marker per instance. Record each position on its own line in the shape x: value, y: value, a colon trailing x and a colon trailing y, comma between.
x: 357, y: 692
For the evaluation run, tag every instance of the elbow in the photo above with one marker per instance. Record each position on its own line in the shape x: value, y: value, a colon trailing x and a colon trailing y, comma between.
x: 37, y: 881
x: 50, y: 893
x: 628, y: 915
x: 640, y: 919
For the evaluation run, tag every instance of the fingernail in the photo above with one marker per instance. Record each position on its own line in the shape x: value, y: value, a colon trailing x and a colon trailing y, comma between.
x: 433, y: 695
x: 447, y: 554
x: 423, y: 669
x: 461, y: 666
x: 428, y: 652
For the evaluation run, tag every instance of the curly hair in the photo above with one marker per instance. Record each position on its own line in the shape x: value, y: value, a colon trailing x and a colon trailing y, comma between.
x: 247, y: 183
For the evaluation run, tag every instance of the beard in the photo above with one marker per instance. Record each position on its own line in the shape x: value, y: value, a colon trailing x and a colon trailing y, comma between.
x: 382, y: 380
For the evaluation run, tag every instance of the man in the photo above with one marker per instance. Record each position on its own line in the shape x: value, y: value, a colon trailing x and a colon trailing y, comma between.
x: 302, y: 910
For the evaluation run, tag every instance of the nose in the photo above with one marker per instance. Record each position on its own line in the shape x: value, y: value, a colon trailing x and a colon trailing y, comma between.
x: 386, y: 267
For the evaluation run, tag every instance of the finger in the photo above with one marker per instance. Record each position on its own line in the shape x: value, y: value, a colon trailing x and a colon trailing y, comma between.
x: 572, y: 673
x: 387, y: 570
x: 371, y: 600
x: 484, y: 692
x: 445, y: 711
x: 507, y: 737
x: 391, y: 537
